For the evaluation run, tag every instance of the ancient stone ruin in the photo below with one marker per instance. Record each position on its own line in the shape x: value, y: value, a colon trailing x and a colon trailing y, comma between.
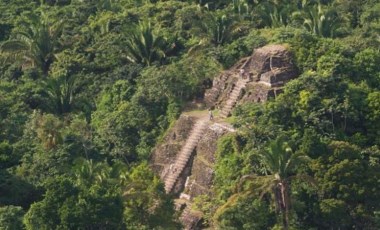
x: 185, y: 158
x: 269, y: 68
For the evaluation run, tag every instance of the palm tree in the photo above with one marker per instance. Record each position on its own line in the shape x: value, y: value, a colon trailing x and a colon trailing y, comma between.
x: 279, y: 165
x: 320, y: 21
x: 220, y: 29
x: 275, y: 14
x: 144, y: 46
x: 61, y: 91
x: 89, y: 172
x: 240, y: 7
x: 48, y: 129
x: 35, y: 43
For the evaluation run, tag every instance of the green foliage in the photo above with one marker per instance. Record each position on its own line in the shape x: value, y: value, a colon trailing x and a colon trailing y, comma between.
x: 16, y: 191
x: 227, y: 169
x: 321, y: 21
x: 273, y: 14
x: 147, y: 205
x: 88, y: 87
x: 34, y: 43
x: 144, y: 46
x: 369, y: 19
x: 247, y: 213
x: 7, y: 159
x: 67, y: 206
x: 219, y: 28
x: 241, y: 47
x: 11, y: 217
x: 367, y: 67
x: 347, y: 177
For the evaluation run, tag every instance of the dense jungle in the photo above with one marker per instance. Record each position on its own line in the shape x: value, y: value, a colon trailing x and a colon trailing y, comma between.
x: 88, y: 88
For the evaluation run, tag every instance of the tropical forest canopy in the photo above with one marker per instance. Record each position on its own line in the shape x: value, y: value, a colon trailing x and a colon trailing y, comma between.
x: 88, y: 87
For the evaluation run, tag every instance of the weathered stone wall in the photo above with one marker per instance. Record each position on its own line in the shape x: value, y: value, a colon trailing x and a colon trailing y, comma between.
x: 165, y: 153
x: 258, y: 92
x: 222, y: 85
x: 268, y: 67
x: 269, y: 57
x: 199, y: 168
x: 202, y: 171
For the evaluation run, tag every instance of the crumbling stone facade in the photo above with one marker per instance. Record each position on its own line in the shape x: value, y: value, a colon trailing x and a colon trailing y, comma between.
x: 267, y: 70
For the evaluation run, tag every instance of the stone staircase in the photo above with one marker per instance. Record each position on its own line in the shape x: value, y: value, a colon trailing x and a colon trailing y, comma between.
x: 233, y: 97
x: 189, y: 218
x: 212, y: 94
x: 185, y: 153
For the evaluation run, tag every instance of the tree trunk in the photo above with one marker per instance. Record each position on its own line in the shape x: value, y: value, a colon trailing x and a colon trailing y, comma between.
x: 285, y: 204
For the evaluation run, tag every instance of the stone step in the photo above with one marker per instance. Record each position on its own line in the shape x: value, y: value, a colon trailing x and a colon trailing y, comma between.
x: 190, y: 144
x: 235, y: 94
x: 171, y: 180
x: 183, y: 161
x: 234, y: 97
x: 188, y: 148
x: 185, y: 153
x: 170, y: 184
x: 172, y: 176
x: 182, y: 164
x: 236, y: 89
x: 169, y: 187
